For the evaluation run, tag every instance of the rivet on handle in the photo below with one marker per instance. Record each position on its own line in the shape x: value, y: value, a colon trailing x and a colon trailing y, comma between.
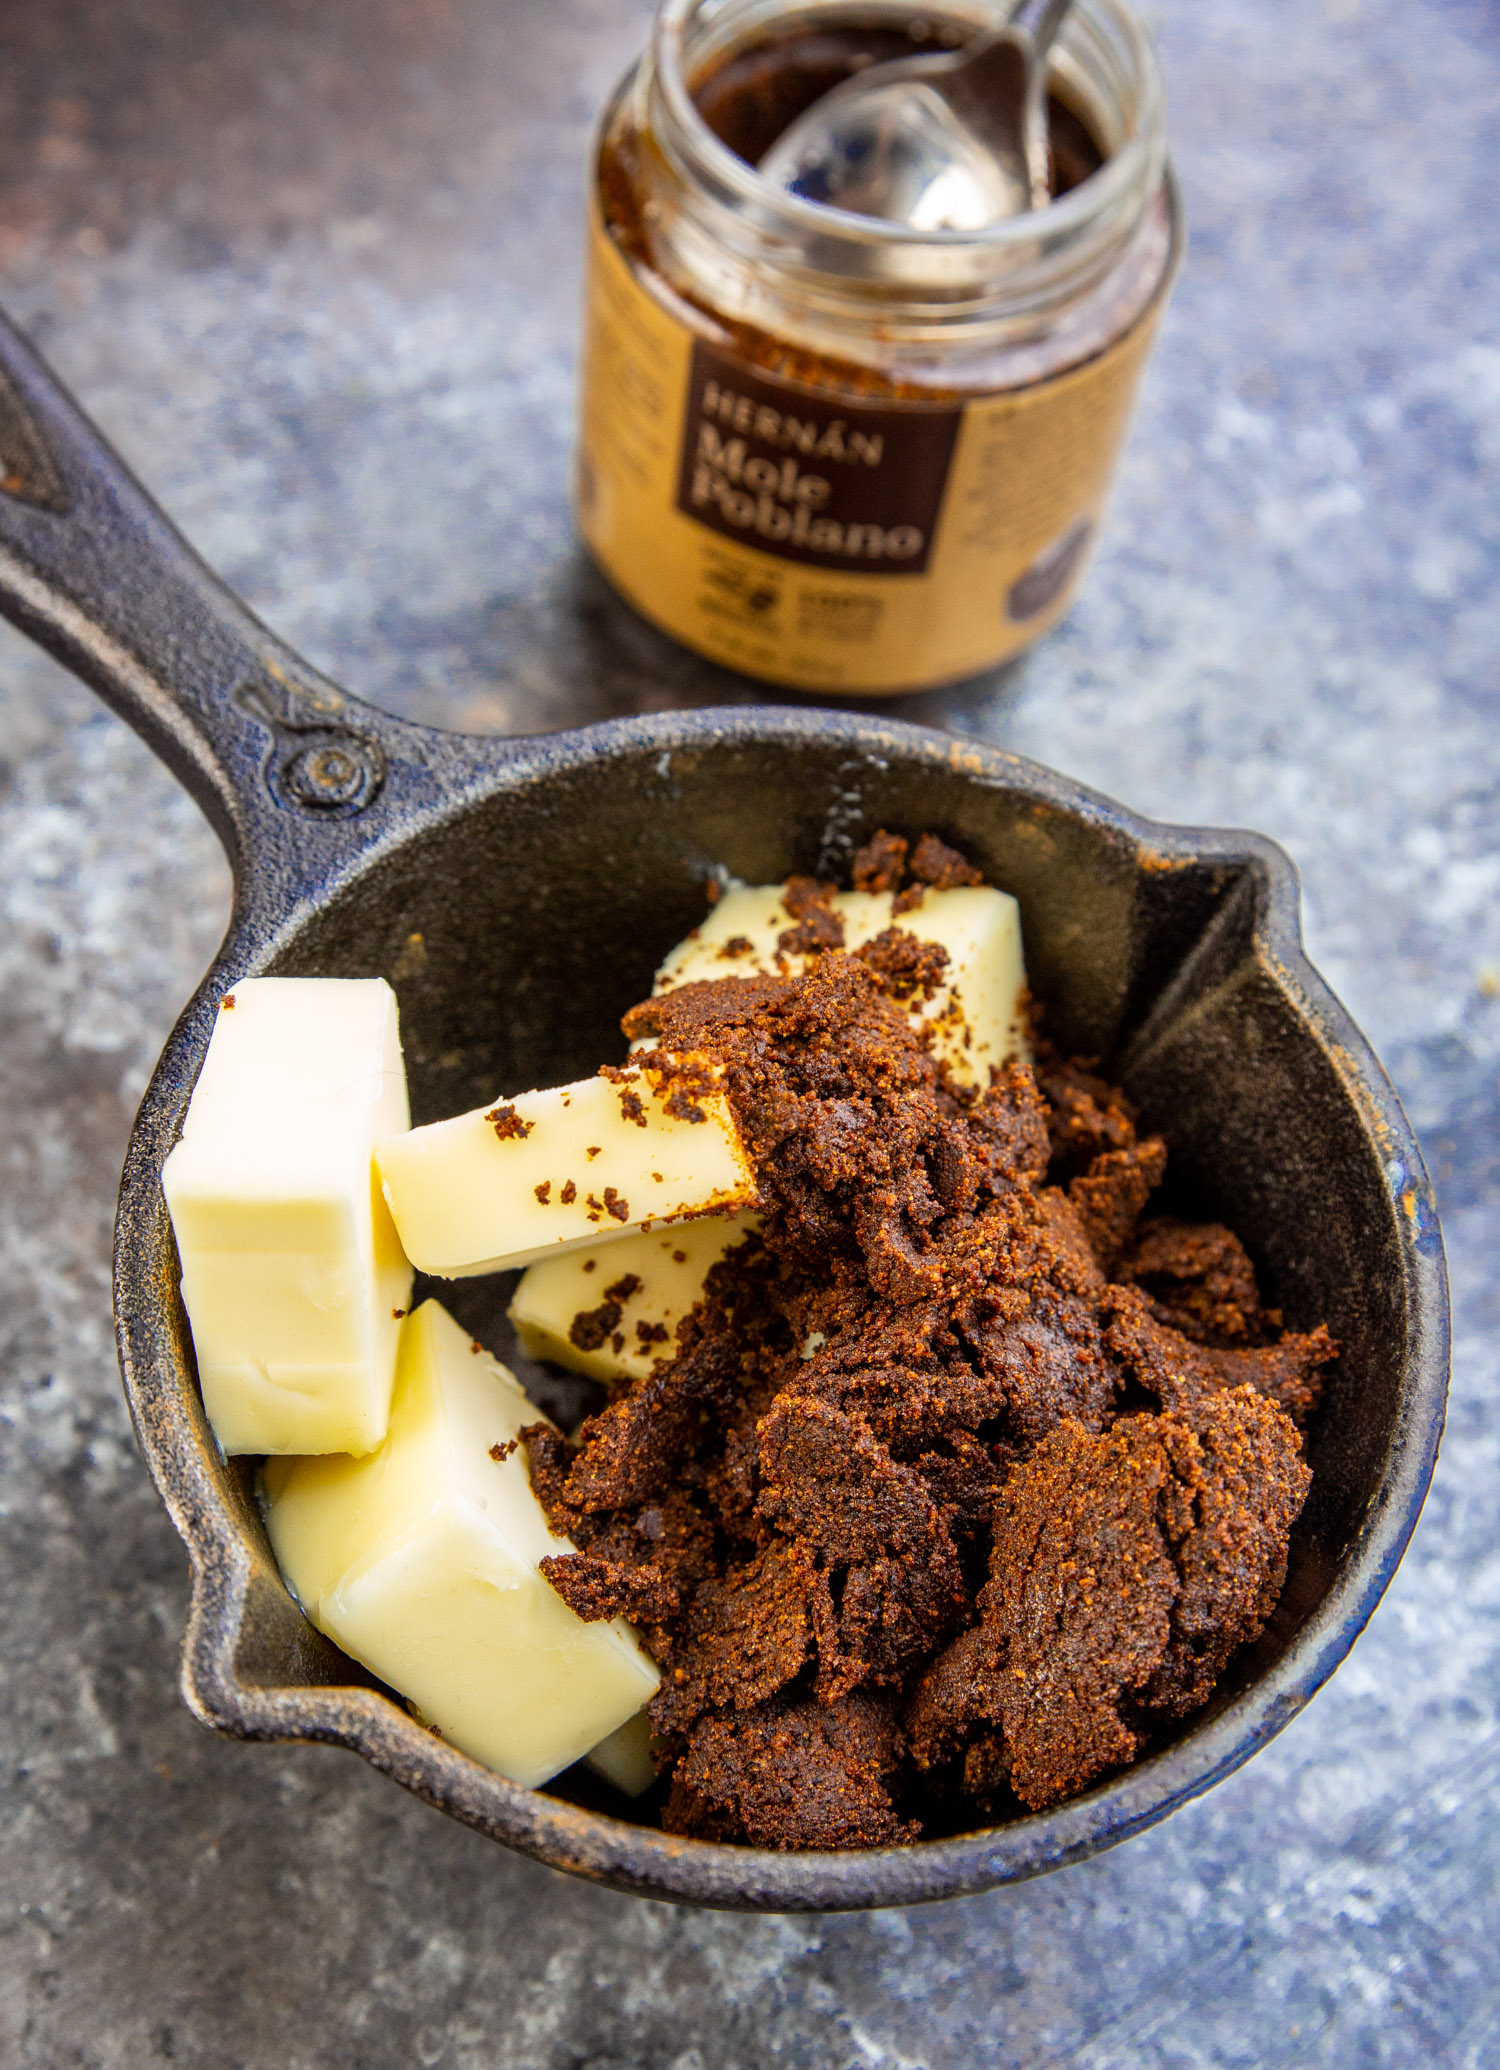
x: 340, y: 773
x: 313, y: 766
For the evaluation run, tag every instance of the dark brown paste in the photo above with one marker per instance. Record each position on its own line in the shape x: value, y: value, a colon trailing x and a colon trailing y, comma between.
x: 508, y: 1125
x: 968, y: 1474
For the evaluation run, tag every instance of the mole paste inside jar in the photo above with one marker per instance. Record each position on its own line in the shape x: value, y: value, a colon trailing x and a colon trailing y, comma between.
x: 753, y: 96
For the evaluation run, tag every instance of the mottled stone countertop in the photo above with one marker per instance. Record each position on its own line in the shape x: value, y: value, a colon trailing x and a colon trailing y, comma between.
x: 313, y: 264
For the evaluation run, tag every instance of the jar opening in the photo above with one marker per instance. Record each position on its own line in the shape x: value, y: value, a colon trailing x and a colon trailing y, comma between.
x: 753, y: 93
x: 1102, y: 73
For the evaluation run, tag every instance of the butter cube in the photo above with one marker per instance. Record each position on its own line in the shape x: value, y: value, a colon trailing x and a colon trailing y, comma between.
x: 554, y: 1171
x: 738, y: 937
x: 638, y: 1288
x: 975, y: 1015
x: 421, y: 1561
x: 292, y: 1275
x: 624, y: 1759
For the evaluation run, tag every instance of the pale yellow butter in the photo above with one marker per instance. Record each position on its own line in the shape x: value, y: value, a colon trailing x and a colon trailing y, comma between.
x: 625, y: 1758
x: 669, y: 1267
x: 738, y: 936
x: 292, y: 1275
x: 552, y: 1171
x: 976, y: 1013
x: 422, y: 1562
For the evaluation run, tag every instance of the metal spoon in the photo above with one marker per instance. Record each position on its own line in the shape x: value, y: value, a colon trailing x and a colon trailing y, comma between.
x: 947, y: 141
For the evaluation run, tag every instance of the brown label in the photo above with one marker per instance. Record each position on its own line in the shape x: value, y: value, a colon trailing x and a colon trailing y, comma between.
x: 808, y: 477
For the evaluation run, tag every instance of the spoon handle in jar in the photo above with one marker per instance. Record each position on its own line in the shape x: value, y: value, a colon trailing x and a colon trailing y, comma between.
x: 1040, y: 20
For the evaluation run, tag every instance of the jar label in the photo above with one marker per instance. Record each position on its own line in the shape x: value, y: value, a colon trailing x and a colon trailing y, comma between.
x: 807, y: 476
x: 826, y: 542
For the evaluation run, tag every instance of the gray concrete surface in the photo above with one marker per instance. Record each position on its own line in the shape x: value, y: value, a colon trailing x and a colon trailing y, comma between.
x: 314, y: 267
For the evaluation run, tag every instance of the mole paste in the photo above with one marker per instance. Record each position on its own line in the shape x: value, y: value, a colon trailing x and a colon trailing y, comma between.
x: 968, y: 1474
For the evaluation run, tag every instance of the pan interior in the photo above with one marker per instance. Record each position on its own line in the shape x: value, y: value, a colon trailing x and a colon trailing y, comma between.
x: 517, y: 932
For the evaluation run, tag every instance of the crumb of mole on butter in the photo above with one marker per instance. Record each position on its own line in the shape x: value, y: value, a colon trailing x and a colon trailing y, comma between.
x: 632, y: 1106
x: 543, y: 1192
x: 881, y: 864
x: 508, y: 1124
x: 500, y: 1453
x: 933, y: 862
x: 840, y: 1505
x: 591, y: 1328
x: 589, y: 1264
x: 818, y: 926
x: 226, y: 1004
x: 593, y: 1151
x: 569, y: 1193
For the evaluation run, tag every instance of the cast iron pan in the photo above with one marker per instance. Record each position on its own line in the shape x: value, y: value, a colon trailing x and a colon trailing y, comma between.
x: 518, y: 894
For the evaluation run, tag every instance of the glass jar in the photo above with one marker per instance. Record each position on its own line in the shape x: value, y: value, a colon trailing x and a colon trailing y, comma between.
x: 835, y: 452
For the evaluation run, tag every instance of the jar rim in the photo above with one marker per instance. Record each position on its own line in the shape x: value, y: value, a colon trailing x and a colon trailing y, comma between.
x: 1072, y: 213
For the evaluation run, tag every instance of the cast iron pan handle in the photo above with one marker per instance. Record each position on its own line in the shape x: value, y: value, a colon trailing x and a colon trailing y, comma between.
x: 296, y: 776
